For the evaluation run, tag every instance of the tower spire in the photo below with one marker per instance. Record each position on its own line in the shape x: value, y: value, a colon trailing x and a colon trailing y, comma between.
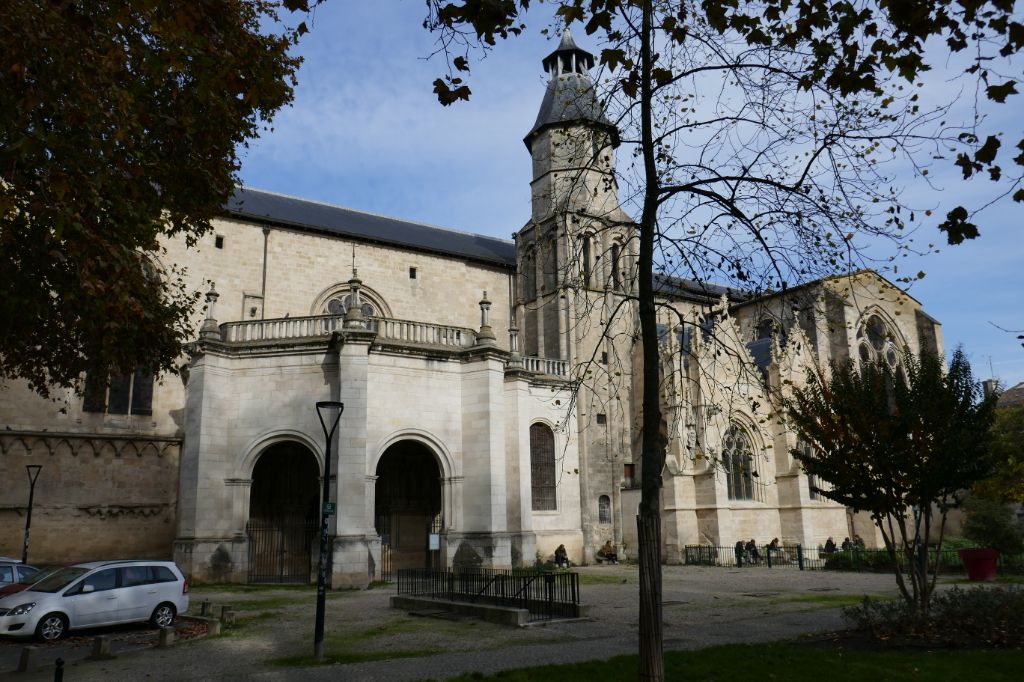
x: 570, y: 98
x: 568, y: 58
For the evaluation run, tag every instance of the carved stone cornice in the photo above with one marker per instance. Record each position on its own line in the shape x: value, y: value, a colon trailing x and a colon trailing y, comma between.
x: 85, y: 443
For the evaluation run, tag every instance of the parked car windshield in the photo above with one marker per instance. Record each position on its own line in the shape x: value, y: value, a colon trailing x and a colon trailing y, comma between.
x: 42, y: 575
x: 60, y: 579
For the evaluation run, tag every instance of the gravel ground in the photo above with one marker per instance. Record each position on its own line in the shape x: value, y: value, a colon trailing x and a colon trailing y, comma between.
x: 702, y: 607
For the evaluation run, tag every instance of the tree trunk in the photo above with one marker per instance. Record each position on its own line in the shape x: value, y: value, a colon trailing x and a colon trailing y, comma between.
x: 652, y: 665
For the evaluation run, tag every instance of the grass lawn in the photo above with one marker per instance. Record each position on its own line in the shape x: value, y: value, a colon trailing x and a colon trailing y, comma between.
x: 789, y: 662
x: 831, y: 599
x: 1000, y: 580
x: 597, y: 579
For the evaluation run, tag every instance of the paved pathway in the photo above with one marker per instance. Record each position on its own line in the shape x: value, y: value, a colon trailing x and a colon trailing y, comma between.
x: 703, y: 607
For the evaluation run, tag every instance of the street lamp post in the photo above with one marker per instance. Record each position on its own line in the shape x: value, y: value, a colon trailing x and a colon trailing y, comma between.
x: 33, y: 473
x: 333, y: 409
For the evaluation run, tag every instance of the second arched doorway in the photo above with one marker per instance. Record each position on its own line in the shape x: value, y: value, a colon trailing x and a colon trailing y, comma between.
x: 407, y: 508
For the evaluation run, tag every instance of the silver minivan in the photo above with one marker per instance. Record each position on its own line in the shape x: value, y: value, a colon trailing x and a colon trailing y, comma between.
x: 94, y: 594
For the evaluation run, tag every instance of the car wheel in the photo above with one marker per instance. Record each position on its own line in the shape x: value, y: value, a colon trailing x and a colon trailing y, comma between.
x: 163, y: 615
x: 52, y: 627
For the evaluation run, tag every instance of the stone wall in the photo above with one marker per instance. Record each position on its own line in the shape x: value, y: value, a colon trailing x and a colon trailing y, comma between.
x: 303, y: 268
x: 98, y: 497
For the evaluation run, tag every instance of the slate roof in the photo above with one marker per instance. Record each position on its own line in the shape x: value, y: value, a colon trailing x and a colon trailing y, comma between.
x: 278, y: 209
x: 1012, y: 396
x: 692, y: 289
x: 570, y: 98
x: 303, y: 214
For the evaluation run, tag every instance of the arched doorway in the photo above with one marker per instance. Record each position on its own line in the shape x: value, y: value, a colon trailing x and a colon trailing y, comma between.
x: 407, y: 507
x: 283, y: 514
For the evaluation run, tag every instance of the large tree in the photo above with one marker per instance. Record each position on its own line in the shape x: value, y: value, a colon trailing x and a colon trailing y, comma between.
x: 902, y: 443
x: 1006, y: 484
x: 762, y: 134
x: 120, y: 125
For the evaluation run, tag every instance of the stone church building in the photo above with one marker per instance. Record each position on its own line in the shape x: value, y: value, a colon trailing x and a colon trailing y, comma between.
x: 490, y: 390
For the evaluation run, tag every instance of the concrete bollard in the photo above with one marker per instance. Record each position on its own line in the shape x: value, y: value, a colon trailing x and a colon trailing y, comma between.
x: 166, y: 637
x: 204, y: 608
x: 227, y: 616
x: 101, y: 646
x: 29, y: 658
x: 213, y: 628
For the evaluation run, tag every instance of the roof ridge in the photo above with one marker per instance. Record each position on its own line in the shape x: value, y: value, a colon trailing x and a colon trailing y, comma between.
x: 372, y: 213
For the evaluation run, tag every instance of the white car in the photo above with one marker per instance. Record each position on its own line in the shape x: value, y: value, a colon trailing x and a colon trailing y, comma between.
x: 94, y: 594
x: 13, y: 571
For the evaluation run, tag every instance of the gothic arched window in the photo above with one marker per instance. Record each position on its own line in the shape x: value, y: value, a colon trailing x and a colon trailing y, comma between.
x: 542, y: 467
x: 551, y: 266
x: 530, y: 275
x: 587, y: 267
x: 739, y: 464
x: 875, y: 341
x: 604, y: 509
x: 616, y: 275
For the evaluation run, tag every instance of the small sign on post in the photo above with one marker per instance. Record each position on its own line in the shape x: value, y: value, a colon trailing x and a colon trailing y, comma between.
x: 435, y: 542
x: 329, y: 509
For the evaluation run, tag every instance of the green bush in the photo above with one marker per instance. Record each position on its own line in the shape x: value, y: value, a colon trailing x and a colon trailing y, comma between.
x: 978, y: 617
x: 991, y: 523
x: 955, y: 542
x: 859, y: 560
x: 1011, y: 564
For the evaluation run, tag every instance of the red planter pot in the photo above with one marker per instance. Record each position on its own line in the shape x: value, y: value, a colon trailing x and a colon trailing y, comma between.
x: 980, y: 563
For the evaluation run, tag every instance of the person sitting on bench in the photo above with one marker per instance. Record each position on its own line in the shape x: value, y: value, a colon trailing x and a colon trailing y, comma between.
x: 561, y: 557
x: 752, y: 551
x: 608, y: 553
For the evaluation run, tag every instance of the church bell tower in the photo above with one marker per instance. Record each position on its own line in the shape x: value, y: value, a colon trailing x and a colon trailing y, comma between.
x: 577, y: 236
x: 572, y: 142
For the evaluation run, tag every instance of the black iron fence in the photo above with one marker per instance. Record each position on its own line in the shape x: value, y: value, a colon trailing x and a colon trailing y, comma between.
x: 281, y: 551
x: 544, y: 594
x: 817, y: 559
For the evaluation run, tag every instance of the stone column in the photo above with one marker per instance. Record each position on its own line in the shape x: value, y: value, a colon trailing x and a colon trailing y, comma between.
x: 541, y: 297
x: 238, y: 491
x: 206, y: 545
x: 352, y: 525
x: 517, y: 444
x: 485, y: 527
x: 452, y: 502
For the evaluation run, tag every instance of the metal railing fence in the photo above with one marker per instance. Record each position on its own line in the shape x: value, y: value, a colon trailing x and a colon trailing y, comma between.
x: 544, y: 594
x: 817, y: 559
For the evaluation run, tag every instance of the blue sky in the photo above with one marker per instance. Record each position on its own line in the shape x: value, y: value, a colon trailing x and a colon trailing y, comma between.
x: 366, y: 131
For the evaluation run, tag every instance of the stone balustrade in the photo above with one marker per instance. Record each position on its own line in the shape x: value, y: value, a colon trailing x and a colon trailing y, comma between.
x: 315, y: 326
x: 282, y: 328
x: 558, y: 368
x: 425, y: 333
x: 387, y: 329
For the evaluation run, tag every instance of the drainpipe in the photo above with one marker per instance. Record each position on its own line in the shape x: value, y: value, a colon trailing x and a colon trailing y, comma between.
x: 263, y: 286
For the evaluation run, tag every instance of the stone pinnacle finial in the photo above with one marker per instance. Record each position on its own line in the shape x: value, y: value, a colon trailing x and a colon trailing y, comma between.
x: 516, y: 360
x: 486, y: 334
x: 210, y: 329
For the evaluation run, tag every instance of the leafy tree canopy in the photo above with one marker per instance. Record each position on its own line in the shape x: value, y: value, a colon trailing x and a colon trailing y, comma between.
x: 850, y: 48
x: 120, y: 122
x: 901, y: 443
x: 1006, y: 484
x: 889, y: 439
